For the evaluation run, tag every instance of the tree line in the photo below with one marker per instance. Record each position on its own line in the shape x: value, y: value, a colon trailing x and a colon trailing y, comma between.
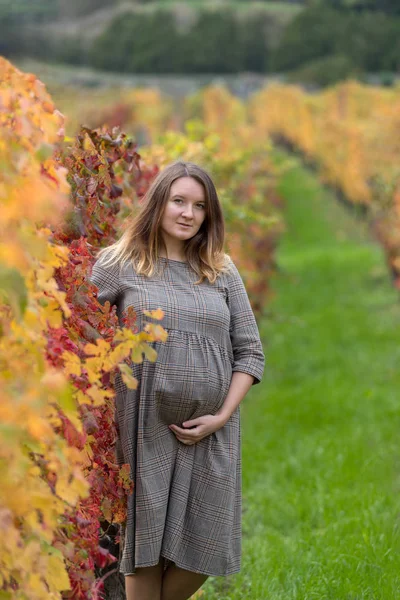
x: 324, y: 43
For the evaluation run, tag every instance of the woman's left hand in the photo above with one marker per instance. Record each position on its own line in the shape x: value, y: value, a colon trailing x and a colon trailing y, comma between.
x: 195, y: 430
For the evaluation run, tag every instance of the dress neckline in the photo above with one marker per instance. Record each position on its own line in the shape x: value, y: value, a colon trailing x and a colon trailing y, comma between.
x: 181, y: 262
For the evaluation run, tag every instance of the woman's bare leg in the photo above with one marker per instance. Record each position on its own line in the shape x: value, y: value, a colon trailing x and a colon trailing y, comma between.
x: 179, y: 584
x: 145, y: 584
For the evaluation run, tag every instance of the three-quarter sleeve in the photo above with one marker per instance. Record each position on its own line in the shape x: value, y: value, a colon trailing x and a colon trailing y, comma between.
x: 245, y: 338
x: 107, y: 281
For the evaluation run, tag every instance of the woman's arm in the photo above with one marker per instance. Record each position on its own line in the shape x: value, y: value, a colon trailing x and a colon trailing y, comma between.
x: 247, y: 349
x: 196, y: 429
x: 240, y: 385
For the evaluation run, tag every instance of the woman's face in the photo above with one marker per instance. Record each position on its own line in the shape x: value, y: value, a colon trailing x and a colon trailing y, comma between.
x: 184, y: 211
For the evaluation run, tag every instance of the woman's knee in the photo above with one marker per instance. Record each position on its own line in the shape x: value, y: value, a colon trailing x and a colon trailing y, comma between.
x: 145, y: 583
x: 180, y: 584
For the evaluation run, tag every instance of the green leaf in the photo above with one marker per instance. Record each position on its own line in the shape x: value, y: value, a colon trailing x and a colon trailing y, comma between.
x: 66, y: 400
x: 136, y: 355
x: 12, y: 289
x: 149, y: 353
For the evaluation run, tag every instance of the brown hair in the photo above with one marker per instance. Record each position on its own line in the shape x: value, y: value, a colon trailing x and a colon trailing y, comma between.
x: 142, y: 240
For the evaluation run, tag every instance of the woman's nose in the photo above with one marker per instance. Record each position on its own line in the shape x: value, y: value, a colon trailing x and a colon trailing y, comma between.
x: 188, y: 211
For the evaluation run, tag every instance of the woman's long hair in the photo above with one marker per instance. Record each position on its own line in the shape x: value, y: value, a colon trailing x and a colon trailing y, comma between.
x: 142, y: 240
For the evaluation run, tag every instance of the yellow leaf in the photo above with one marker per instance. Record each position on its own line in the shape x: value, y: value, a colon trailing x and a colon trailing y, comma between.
x: 60, y: 297
x: 97, y: 349
x: 58, y: 255
x: 45, y: 500
x: 93, y: 366
x: 72, y: 363
x: 71, y: 491
x: 136, y: 354
x: 123, y: 335
x: 127, y: 377
x: 52, y: 314
x: 99, y: 396
x: 34, y: 471
x: 157, y: 332
x: 32, y: 520
x: 106, y: 508
x: 36, y: 584
x: 120, y: 352
x: 54, y: 380
x: 86, y: 461
x: 149, y: 353
x: 154, y: 314
x: 57, y: 576
x: 39, y: 428
x: 75, y: 420
x: 81, y: 398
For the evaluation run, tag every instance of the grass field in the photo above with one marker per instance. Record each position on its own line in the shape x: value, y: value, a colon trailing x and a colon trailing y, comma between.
x: 321, y: 447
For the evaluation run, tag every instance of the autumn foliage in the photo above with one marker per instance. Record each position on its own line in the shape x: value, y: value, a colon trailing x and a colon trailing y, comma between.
x: 350, y: 134
x: 218, y: 135
x: 59, y: 348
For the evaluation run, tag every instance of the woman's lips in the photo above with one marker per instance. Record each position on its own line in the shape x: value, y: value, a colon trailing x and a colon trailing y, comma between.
x: 184, y: 225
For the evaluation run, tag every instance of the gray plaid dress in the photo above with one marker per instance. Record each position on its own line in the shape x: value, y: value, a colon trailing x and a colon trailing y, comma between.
x: 186, y: 504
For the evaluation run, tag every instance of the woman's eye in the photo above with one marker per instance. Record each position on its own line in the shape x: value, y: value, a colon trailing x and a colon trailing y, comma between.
x: 178, y: 199
x: 201, y: 205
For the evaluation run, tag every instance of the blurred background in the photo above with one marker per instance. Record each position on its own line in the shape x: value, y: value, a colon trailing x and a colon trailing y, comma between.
x: 291, y: 105
x: 178, y: 47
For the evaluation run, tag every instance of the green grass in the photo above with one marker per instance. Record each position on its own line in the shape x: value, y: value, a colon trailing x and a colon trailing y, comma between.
x: 321, y: 436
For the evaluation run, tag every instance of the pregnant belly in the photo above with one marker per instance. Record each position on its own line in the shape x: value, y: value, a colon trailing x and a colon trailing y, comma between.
x: 192, y: 378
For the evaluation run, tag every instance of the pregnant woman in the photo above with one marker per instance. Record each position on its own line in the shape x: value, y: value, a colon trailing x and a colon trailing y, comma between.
x: 180, y: 429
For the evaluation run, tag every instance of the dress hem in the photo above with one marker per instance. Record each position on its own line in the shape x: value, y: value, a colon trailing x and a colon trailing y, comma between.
x: 181, y: 566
